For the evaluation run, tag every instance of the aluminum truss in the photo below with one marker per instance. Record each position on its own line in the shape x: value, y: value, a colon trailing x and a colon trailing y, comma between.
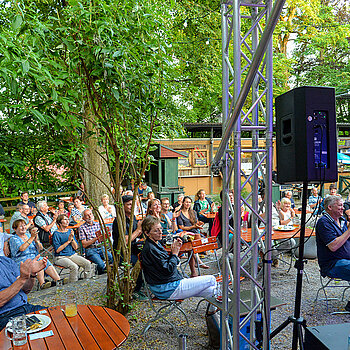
x: 247, y: 27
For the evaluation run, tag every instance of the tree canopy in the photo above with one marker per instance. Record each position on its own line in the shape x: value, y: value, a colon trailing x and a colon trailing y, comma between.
x: 122, y: 65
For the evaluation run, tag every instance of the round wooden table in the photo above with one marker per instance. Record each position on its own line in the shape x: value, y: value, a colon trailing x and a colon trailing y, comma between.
x: 94, y: 327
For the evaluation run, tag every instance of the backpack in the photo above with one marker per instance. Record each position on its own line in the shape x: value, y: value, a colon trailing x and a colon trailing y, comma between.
x: 212, y: 319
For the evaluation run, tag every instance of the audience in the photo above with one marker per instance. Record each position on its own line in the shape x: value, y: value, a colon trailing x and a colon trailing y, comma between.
x: 90, y: 234
x: 21, y: 213
x: 177, y: 205
x: 4, y: 243
x: 77, y: 211
x: 61, y: 209
x: 286, y: 213
x: 45, y: 223
x: 106, y: 210
x: 333, y: 243
x: 25, y: 200
x: 187, y: 221
x: 160, y: 268
x: 289, y: 195
x: 203, y: 205
x: 135, y: 241
x: 315, y: 200
x: 168, y: 218
x: 143, y: 190
x: 16, y: 281
x: 25, y: 246
x: 65, y: 246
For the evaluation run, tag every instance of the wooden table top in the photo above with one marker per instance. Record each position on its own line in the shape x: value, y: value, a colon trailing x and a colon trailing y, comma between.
x: 299, y: 211
x: 94, y: 327
x: 247, y: 236
x: 185, y: 248
x: 209, y: 215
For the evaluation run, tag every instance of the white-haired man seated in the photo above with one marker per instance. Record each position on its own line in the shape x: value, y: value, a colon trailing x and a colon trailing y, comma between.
x: 333, y: 244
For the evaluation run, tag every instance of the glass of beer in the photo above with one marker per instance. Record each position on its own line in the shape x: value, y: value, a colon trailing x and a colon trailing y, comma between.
x: 71, y: 304
x: 17, y: 326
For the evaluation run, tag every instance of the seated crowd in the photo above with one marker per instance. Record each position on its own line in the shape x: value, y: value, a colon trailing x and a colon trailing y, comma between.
x: 38, y: 227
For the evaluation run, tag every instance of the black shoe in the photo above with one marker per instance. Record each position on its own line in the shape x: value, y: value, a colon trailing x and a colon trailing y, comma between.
x: 347, y: 307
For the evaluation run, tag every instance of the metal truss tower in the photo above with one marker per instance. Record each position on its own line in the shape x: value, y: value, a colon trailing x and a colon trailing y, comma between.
x: 247, y: 27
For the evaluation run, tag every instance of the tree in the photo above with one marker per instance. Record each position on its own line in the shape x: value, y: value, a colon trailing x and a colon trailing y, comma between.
x: 99, y: 74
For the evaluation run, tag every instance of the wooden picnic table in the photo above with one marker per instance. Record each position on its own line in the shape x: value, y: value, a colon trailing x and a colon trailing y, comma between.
x: 298, y: 212
x: 247, y: 236
x: 94, y: 327
x: 210, y: 215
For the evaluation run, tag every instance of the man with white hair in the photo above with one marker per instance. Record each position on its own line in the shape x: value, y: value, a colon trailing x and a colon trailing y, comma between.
x: 90, y: 235
x: 333, y: 244
x: 289, y: 195
x: 46, y: 225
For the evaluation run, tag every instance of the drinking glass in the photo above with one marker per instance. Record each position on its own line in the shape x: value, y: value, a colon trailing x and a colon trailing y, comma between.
x: 218, y: 292
x: 60, y: 299
x: 71, y: 304
x: 244, y: 226
x: 169, y: 240
x: 17, y: 325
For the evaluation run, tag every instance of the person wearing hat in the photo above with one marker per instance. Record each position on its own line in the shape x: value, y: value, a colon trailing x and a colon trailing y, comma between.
x: 135, y: 235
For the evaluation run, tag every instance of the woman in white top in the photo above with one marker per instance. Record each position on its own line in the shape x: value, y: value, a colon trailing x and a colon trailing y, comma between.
x: 286, y: 213
x: 106, y: 210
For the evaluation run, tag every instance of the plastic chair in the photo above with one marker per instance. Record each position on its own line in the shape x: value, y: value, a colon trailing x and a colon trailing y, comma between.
x: 165, y: 307
x: 328, y: 283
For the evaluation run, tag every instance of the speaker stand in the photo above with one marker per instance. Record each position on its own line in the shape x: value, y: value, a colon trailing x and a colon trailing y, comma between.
x: 298, y: 322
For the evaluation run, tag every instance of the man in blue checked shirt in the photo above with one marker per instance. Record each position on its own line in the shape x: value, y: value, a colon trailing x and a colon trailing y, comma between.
x: 90, y: 234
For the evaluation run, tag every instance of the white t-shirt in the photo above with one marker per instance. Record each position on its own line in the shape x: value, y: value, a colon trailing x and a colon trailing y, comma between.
x: 104, y: 212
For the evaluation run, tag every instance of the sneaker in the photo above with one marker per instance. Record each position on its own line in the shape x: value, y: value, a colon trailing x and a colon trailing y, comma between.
x: 139, y: 296
x: 45, y: 285
x: 347, y: 307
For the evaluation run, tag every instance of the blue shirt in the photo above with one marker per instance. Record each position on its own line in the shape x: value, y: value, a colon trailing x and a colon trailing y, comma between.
x: 9, y: 272
x: 4, y: 236
x: 30, y: 253
x: 327, y: 230
x: 60, y: 238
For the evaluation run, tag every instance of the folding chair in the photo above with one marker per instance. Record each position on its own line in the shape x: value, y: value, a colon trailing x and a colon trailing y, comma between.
x: 279, y: 249
x: 328, y: 283
x: 205, y: 245
x: 165, y: 307
x: 310, y: 252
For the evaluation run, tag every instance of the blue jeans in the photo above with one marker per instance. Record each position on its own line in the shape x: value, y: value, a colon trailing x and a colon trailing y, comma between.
x: 97, y: 256
x: 341, y: 269
x: 21, y: 310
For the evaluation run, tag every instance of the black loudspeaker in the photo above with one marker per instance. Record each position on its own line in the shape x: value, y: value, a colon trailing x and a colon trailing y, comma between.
x: 306, y: 135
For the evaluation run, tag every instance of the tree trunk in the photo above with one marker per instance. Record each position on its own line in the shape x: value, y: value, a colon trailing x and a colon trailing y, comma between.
x: 96, y: 167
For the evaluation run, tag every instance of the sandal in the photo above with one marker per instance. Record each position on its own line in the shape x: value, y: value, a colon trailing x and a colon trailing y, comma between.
x: 202, y: 266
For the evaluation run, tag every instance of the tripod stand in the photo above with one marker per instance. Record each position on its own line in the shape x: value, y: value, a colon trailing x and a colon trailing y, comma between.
x: 298, y: 322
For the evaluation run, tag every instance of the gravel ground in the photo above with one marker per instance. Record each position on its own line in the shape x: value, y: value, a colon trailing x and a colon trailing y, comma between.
x: 161, y: 336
